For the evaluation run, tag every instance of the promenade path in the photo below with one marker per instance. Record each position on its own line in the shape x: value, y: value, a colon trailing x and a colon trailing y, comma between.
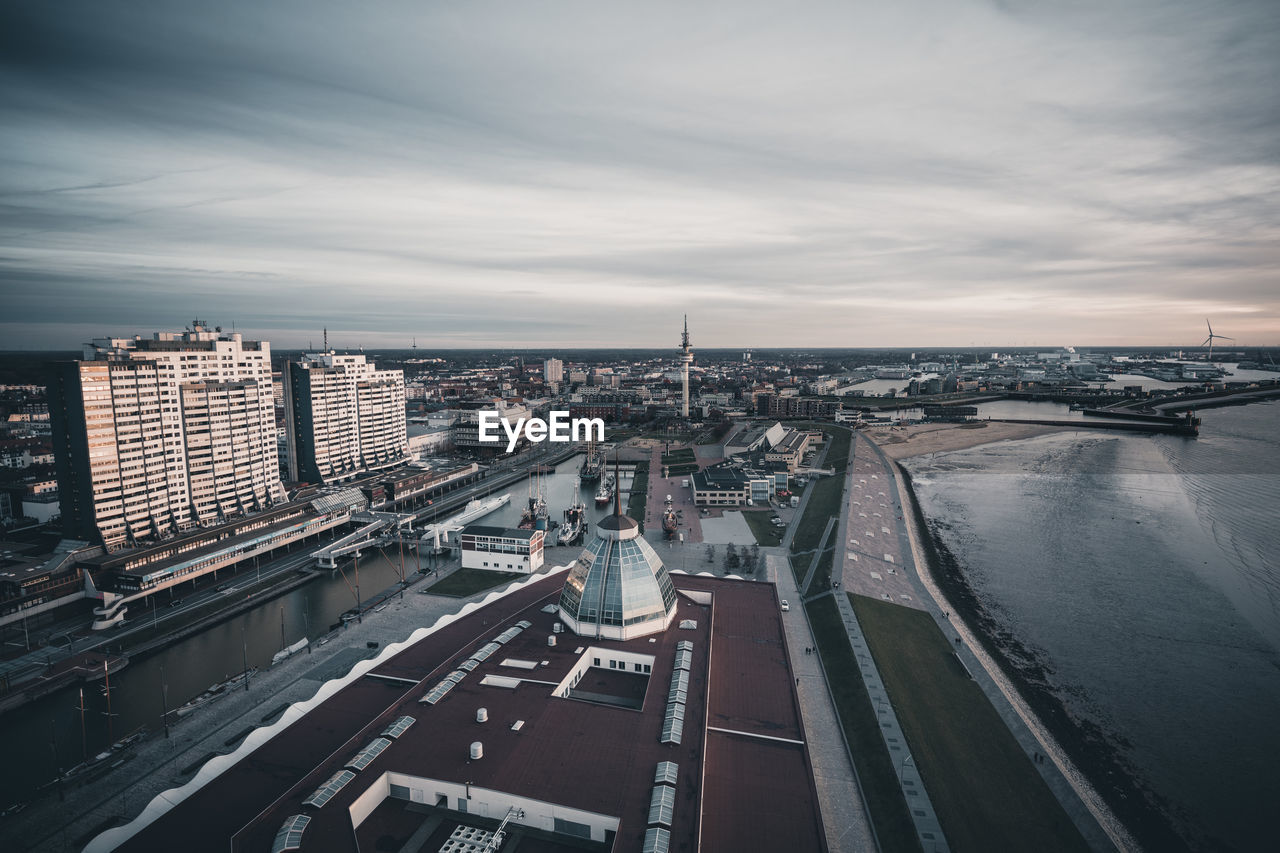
x: 844, y: 812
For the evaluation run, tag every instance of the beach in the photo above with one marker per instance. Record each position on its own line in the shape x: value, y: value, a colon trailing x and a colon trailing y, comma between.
x: 920, y: 439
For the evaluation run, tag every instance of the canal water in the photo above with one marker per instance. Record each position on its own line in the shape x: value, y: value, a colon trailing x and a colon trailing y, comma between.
x: 189, y: 667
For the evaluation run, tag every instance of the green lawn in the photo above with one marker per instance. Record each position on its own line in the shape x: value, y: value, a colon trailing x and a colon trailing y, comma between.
x: 827, y: 493
x: 824, y: 502
x: 681, y: 468
x: 466, y: 582
x: 766, y: 534
x: 985, y: 789
x: 678, y: 456
x: 876, y: 772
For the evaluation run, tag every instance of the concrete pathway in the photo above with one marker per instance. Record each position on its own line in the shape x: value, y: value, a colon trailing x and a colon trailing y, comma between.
x: 844, y: 811
x: 923, y: 816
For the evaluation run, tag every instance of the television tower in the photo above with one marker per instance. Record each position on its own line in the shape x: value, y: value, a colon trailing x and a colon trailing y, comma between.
x: 686, y: 359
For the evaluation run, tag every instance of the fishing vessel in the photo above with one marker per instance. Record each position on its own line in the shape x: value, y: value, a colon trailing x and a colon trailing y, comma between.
x: 575, y: 520
x: 604, y: 494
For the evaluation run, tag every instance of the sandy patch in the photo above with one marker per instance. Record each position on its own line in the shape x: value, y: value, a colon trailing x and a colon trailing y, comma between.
x: 916, y: 440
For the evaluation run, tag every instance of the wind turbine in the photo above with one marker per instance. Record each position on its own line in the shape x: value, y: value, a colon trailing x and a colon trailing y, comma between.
x: 1212, y: 337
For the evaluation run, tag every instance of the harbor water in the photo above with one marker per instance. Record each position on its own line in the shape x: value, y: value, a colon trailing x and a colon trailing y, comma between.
x: 1137, y: 580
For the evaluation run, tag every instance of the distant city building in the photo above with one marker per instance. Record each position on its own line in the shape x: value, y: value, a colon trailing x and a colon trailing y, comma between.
x: 344, y: 417
x: 553, y: 370
x: 465, y: 428
x: 776, y: 406
x: 153, y: 437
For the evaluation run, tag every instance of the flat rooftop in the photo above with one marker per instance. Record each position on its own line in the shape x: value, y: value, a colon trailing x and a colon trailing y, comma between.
x: 744, y: 778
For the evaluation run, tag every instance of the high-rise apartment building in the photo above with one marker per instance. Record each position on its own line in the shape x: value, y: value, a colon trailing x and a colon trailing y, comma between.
x: 344, y: 417
x: 153, y: 437
x: 553, y: 370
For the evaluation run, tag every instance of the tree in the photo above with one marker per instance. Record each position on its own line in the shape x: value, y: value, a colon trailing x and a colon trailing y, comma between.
x: 711, y: 553
x: 754, y: 564
x: 731, y: 559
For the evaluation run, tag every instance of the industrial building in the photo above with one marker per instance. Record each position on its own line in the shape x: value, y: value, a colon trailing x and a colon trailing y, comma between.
x: 506, y: 729
x: 790, y: 450
x: 156, y: 436
x: 720, y: 485
x: 344, y: 417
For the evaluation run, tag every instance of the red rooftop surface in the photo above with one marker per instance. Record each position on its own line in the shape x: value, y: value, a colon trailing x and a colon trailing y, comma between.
x: 744, y: 783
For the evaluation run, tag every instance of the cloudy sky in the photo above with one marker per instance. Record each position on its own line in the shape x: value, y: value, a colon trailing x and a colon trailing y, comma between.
x: 577, y: 174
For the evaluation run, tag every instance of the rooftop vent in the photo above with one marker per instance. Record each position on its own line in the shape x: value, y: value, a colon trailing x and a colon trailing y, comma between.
x: 477, y: 751
x: 551, y: 639
x: 482, y: 715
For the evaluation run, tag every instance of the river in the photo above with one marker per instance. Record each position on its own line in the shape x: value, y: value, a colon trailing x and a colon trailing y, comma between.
x: 1137, y: 580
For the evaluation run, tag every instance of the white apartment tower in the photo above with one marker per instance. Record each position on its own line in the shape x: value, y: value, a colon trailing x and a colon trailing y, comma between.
x: 553, y: 371
x: 344, y: 417
x: 156, y: 436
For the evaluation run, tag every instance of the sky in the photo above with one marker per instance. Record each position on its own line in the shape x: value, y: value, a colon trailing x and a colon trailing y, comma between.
x: 469, y: 174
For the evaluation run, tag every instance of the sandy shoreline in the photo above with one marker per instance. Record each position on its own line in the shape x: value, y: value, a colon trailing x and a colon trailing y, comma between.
x: 919, y: 439
x: 935, y: 438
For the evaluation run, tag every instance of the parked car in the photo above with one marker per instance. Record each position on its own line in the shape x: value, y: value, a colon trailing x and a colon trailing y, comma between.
x: 785, y: 607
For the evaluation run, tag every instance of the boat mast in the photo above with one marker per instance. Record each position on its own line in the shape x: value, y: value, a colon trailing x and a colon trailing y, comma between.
x: 106, y: 671
x: 84, y: 742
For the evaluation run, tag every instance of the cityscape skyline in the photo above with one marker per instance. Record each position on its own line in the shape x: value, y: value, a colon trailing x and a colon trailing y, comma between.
x: 937, y: 174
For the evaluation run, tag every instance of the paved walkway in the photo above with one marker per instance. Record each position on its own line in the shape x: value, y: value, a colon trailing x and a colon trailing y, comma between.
x: 923, y: 816
x: 878, y: 494
x: 844, y: 813
x: 876, y: 550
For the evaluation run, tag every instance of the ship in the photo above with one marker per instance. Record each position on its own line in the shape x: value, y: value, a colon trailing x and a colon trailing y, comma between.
x: 604, y: 494
x: 222, y: 688
x: 534, y: 516
x: 289, y: 651
x: 591, y: 464
x: 479, y: 507
x: 669, y: 521
x: 575, y: 521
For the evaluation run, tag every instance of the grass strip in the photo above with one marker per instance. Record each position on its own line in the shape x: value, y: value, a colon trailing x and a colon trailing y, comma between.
x: 985, y: 789
x: 876, y: 774
x: 639, y: 498
x: 766, y: 533
x: 466, y: 582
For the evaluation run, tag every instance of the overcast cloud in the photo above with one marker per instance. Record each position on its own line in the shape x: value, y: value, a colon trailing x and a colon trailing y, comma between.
x: 579, y: 174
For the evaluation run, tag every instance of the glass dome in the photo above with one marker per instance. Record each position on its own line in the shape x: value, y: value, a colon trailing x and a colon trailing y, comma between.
x: 619, y: 587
